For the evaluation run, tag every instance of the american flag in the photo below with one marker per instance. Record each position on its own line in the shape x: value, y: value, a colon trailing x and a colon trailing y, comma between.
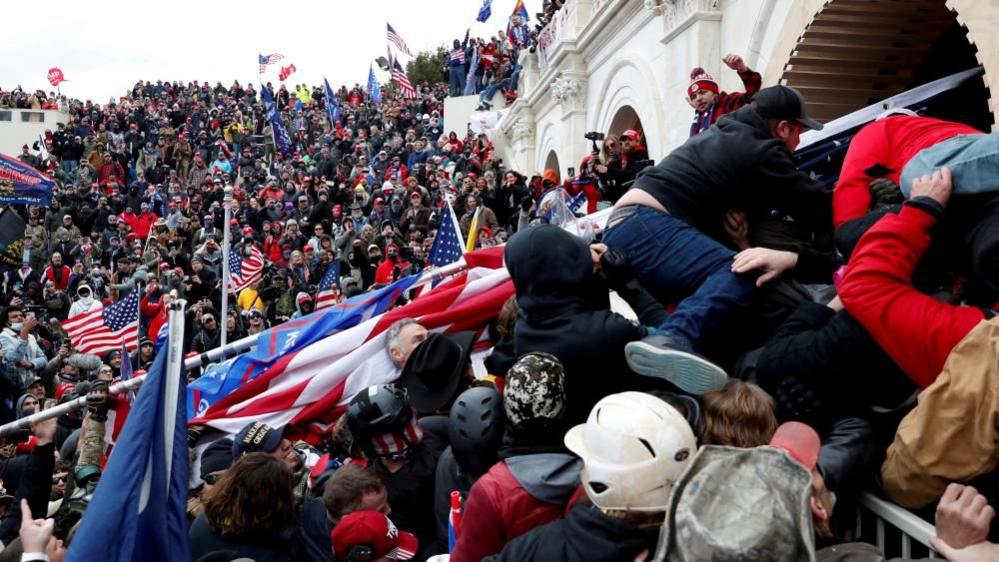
x: 244, y: 272
x: 394, y: 38
x: 458, y: 55
x: 399, y: 77
x: 448, y: 247
x: 308, y: 389
x: 266, y: 60
x: 104, y: 329
x: 331, y: 278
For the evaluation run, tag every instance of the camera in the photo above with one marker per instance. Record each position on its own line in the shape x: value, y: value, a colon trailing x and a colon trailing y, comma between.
x: 594, y: 136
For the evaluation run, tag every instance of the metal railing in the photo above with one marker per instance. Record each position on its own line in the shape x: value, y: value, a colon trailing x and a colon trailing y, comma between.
x: 891, y: 520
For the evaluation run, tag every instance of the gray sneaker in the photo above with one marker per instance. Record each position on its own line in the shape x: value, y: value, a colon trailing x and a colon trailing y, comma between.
x: 660, y: 356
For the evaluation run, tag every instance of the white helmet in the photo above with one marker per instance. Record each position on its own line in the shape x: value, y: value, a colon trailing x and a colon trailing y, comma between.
x: 634, y: 447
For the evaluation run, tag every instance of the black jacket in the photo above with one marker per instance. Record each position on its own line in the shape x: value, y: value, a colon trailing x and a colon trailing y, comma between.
x: 35, y: 486
x: 735, y: 164
x: 204, y: 540
x: 820, y: 363
x: 312, y: 538
x: 586, y: 535
x: 565, y: 311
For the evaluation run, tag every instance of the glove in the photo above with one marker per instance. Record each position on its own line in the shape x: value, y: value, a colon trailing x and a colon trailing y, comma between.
x: 97, y: 400
x: 884, y: 192
x: 615, y: 268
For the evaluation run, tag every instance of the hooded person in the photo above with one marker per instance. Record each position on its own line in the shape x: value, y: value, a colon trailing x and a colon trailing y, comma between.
x: 303, y: 305
x: 535, y: 477
x: 634, y: 448
x: 565, y: 311
x: 85, y: 301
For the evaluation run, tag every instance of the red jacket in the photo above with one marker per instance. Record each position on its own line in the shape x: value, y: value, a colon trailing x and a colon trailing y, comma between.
x: 890, y: 143
x: 917, y: 331
x: 157, y: 314
x: 63, y: 280
x: 385, y: 273
x: 498, y: 510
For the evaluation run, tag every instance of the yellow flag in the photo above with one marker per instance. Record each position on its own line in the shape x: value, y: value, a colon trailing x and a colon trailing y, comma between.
x: 473, y: 231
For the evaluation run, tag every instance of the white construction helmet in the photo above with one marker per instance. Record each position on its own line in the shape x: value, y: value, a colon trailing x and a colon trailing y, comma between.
x: 634, y: 447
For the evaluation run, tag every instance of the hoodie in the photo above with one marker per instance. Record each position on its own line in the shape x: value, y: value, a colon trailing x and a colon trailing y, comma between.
x: 565, y: 311
x: 585, y: 534
x: 513, y: 497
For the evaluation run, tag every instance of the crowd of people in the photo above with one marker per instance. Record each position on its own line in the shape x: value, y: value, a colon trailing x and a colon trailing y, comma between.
x: 790, y: 345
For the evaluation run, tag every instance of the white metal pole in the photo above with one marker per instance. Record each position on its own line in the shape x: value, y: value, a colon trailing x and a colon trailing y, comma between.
x: 223, y: 322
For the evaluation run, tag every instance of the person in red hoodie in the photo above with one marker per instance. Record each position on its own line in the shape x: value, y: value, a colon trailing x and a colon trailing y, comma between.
x: 57, y: 272
x: 709, y: 103
x: 144, y: 221
x: 536, y: 476
x: 154, y: 305
x: 111, y: 172
x: 388, y: 271
x: 916, y: 330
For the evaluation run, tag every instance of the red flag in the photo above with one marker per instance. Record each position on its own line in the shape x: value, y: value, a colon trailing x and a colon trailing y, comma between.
x: 56, y: 76
x: 286, y: 71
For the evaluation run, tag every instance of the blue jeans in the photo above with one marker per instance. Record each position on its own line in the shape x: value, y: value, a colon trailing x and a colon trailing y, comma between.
x: 973, y: 161
x: 669, y: 254
x: 456, y: 76
x: 490, y: 91
x: 515, y: 77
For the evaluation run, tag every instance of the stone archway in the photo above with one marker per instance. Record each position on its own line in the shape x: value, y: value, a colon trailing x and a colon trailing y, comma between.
x: 551, y: 162
x: 626, y: 118
x: 846, y: 54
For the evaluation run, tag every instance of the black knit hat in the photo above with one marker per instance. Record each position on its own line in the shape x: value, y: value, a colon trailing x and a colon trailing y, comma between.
x: 218, y: 456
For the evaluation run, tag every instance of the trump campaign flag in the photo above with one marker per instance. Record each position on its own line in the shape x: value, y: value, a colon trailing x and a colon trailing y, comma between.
x: 138, y: 511
x: 281, y: 139
x: 485, y: 11
x: 21, y: 184
x: 333, y: 112
x: 374, y: 90
x: 276, y: 345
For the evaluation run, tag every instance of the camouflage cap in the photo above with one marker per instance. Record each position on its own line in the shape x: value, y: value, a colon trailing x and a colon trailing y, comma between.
x: 535, y: 390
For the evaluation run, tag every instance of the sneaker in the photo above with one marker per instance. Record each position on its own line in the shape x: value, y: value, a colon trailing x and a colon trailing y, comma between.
x: 662, y: 357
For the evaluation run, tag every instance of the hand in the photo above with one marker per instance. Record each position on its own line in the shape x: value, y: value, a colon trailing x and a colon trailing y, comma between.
x: 597, y: 250
x: 772, y: 262
x: 35, y: 533
x: 737, y: 227
x: 16, y: 301
x: 55, y: 550
x: 63, y: 351
x: 29, y: 324
x: 836, y: 304
x: 97, y: 398
x: 735, y: 62
x: 981, y: 552
x: 600, y: 168
x: 936, y: 186
x: 44, y: 430
x: 963, y: 516
x: 884, y: 192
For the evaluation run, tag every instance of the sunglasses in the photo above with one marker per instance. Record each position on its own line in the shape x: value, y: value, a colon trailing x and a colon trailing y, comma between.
x: 58, y: 479
x: 211, y: 479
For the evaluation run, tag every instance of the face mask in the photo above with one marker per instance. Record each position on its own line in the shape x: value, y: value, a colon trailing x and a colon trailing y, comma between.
x: 17, y: 327
x: 87, y: 300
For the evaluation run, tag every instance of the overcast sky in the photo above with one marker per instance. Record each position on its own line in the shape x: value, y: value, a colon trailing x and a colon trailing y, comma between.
x: 104, y: 47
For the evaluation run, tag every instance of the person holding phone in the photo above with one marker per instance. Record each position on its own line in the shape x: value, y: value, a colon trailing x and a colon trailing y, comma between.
x: 21, y: 352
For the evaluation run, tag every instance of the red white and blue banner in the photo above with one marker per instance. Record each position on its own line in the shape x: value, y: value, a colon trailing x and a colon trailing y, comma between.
x: 21, y: 184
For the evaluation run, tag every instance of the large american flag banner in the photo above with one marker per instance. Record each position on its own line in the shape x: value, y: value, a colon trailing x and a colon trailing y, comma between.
x: 310, y: 388
x: 396, y: 40
x: 400, y: 78
x: 331, y: 278
x: 104, y: 329
x: 448, y: 247
x: 247, y: 271
x: 266, y: 60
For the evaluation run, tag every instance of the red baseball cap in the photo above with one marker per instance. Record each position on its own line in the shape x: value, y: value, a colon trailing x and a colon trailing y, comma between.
x: 375, y: 533
x: 800, y: 441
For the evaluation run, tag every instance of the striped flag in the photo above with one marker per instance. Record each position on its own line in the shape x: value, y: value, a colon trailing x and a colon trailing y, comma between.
x: 247, y: 271
x: 473, y: 231
x: 400, y: 78
x: 104, y: 329
x: 394, y: 38
x: 447, y: 247
x: 266, y: 60
x: 308, y: 389
x: 331, y: 278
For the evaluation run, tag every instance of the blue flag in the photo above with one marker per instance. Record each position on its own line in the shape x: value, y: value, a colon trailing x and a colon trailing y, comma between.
x: 138, y: 511
x: 222, y: 379
x: 281, y: 139
x: 333, y: 112
x: 21, y: 184
x: 374, y: 90
x: 485, y: 11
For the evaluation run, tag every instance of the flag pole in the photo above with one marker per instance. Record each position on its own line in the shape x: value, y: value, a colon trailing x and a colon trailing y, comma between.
x: 223, y: 322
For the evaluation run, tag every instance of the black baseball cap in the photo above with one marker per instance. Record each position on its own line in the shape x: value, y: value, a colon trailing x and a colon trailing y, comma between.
x: 256, y: 437
x: 783, y: 102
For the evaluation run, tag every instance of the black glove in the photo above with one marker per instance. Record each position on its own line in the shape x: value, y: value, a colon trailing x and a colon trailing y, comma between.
x: 884, y: 192
x: 615, y: 268
x: 97, y: 400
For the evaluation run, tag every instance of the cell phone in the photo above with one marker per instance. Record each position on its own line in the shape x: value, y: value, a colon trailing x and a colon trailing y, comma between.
x: 572, y: 171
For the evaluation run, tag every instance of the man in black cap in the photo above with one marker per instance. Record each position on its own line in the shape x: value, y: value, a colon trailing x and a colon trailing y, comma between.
x: 438, y: 370
x: 670, y: 222
x: 258, y: 437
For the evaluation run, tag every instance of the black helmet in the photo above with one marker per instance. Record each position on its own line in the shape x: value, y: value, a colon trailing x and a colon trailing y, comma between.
x: 476, y: 428
x: 378, y: 409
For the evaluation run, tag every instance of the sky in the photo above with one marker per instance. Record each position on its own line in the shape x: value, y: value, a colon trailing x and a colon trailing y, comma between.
x: 104, y: 47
